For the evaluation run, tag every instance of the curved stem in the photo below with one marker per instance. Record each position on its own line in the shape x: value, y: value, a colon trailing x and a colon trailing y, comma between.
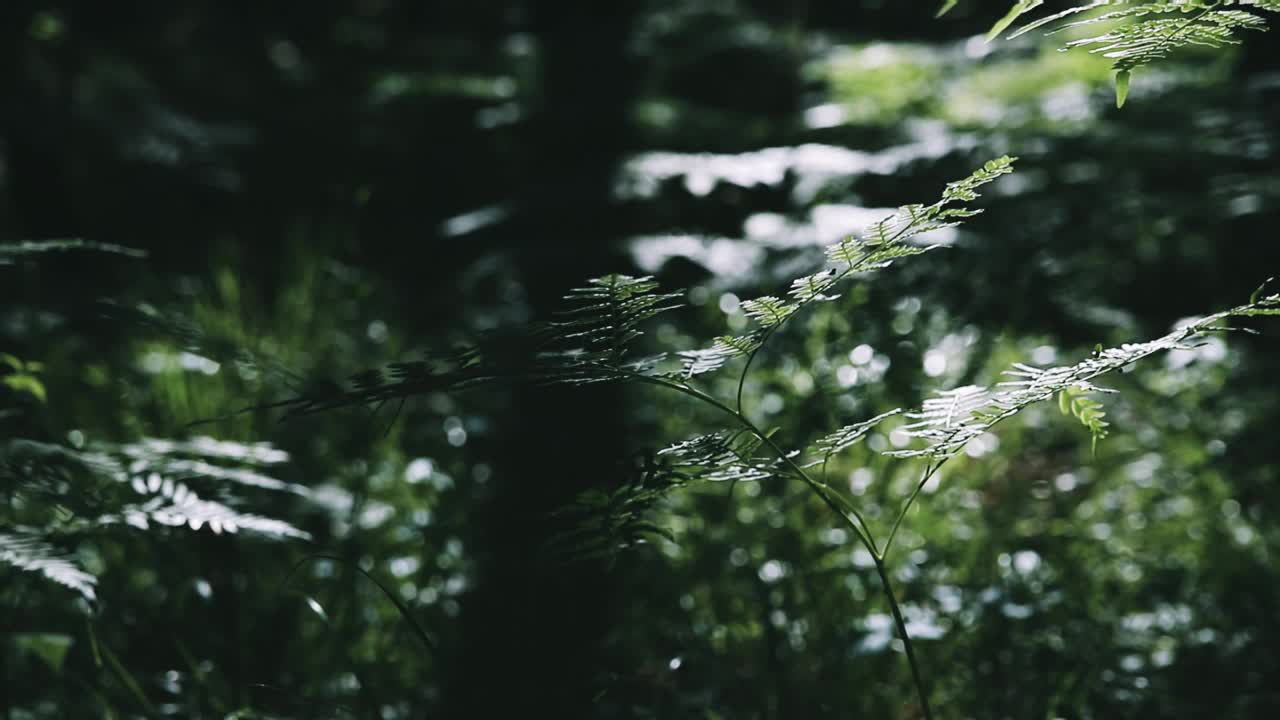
x: 860, y: 529
x: 928, y: 474
x: 742, y: 379
x: 906, y: 639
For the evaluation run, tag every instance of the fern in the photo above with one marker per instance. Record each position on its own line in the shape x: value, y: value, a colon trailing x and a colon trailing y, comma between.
x: 30, y: 553
x: 80, y: 493
x: 33, y: 248
x: 1141, y: 33
x: 1075, y: 401
x: 592, y: 341
x: 602, y: 523
x: 588, y: 342
x: 877, y: 248
x: 846, y: 437
x: 946, y: 423
x: 720, y: 457
x: 22, y: 377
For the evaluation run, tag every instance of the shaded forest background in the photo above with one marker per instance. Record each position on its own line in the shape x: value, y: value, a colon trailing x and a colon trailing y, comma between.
x: 327, y: 187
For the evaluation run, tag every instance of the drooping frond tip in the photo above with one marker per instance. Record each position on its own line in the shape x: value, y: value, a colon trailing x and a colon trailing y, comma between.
x: 1075, y: 401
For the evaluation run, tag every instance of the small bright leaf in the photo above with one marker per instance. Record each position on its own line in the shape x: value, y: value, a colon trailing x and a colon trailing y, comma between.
x: 1122, y: 87
x: 1021, y: 8
x: 317, y: 608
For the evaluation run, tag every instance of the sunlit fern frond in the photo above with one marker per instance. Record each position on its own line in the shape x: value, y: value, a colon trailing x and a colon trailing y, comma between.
x: 846, y: 437
x: 720, y: 457
x: 1148, y: 41
x: 949, y: 421
x: 590, y: 340
x: 1136, y: 33
x: 59, y: 479
x: 174, y: 504
x: 204, y: 457
x: 30, y: 553
x: 163, y: 471
x: 100, y: 486
x: 29, y: 248
x: 722, y: 350
x: 892, y: 238
x: 605, y: 315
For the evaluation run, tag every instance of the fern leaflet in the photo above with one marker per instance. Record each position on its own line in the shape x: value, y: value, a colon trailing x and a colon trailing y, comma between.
x: 31, y: 554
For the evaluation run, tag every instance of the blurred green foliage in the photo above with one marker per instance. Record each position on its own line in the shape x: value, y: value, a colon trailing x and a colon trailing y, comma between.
x: 326, y: 190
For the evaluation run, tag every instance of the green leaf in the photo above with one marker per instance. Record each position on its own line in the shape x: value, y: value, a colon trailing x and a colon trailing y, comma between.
x: 28, y: 384
x: 1021, y: 8
x: 1122, y: 87
x: 317, y: 608
x: 946, y: 7
x: 1253, y: 298
x: 50, y: 647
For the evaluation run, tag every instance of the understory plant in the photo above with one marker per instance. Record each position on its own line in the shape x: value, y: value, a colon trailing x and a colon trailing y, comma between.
x: 65, y: 492
x: 64, y: 496
x: 1133, y: 34
x: 593, y: 341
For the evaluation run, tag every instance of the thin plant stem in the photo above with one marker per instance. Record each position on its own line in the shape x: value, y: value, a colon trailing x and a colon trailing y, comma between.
x: 861, y: 529
x: 924, y: 480
x: 906, y: 638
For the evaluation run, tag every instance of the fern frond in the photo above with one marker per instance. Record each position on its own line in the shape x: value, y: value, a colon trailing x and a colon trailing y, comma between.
x: 813, y: 288
x: 196, y: 458
x: 885, y: 241
x: 43, y: 247
x: 1150, y: 41
x: 31, y: 554
x: 601, y: 523
x: 724, y: 349
x: 769, y: 310
x: 587, y: 342
x: 176, y: 505
x: 60, y: 476
x: 946, y: 423
x: 844, y: 438
x: 604, y: 316
x: 720, y: 457
x: 1075, y: 401
x: 158, y: 469
x: 1137, y: 33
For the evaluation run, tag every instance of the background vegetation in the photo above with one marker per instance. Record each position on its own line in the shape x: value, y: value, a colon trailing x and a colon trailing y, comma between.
x: 312, y: 191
